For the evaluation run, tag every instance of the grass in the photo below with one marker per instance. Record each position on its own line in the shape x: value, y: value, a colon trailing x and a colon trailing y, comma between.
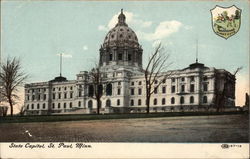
x: 75, y: 117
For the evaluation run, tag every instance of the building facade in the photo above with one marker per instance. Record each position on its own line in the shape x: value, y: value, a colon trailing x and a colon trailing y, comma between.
x: 196, y: 86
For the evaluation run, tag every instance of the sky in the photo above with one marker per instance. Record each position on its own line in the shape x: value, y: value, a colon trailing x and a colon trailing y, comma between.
x: 37, y: 31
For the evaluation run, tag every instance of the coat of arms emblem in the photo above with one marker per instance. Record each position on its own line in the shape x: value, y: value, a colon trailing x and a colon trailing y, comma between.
x: 226, y: 20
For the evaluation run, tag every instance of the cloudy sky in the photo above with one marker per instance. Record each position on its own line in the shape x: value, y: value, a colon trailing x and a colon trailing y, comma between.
x: 38, y: 31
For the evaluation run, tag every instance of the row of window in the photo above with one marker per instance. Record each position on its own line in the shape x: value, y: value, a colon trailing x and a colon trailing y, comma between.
x: 173, y: 89
x: 163, y: 101
x: 59, y: 96
x: 192, y: 79
x: 53, y: 105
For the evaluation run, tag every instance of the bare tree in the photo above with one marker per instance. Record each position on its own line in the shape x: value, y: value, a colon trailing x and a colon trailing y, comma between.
x: 96, y: 77
x: 155, y: 72
x: 11, y: 76
x: 22, y: 110
x: 221, y: 94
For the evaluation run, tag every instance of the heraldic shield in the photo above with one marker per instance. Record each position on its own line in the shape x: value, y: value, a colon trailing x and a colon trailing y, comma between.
x: 226, y: 20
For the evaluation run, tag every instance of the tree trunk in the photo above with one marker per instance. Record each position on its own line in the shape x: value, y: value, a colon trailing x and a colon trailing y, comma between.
x: 147, y: 103
x: 98, y: 106
x: 11, y: 106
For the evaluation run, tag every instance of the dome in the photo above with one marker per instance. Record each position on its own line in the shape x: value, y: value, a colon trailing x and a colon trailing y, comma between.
x: 121, y: 34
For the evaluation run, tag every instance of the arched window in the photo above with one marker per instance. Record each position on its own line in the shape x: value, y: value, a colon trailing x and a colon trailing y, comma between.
x: 163, y: 101
x: 118, y: 101
x: 90, y: 104
x: 38, y: 106
x: 108, y: 103
x: 182, y: 100
x: 59, y: 105
x: 139, y: 101
x: 64, y: 105
x: 191, y: 99
x: 70, y: 105
x: 53, y: 105
x: 79, y: 104
x: 44, y: 106
x: 109, y: 89
x: 155, y: 101
x: 205, y: 99
x: 91, y: 90
x: 131, y: 102
x: 172, y: 100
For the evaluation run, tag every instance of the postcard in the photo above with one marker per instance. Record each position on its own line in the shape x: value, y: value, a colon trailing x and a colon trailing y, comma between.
x: 124, y: 79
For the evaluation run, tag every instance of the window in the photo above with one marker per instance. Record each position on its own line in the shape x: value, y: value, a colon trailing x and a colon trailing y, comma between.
x: 71, y: 88
x: 33, y: 97
x: 183, y: 79
x: 109, y: 89
x: 172, y: 89
x: 118, y: 101
x: 80, y: 93
x: 164, y: 81
x: 44, y: 105
x: 118, y: 91
x: 108, y: 103
x: 110, y: 57
x: 139, y: 91
x: 131, y: 102
x: 54, y: 89
x: 191, y: 99
x: 163, y: 101
x: 155, y: 101
x: 129, y: 57
x: 38, y: 97
x: 91, y: 90
x: 65, y: 95
x: 59, y: 88
x: 70, y: 105
x: 132, y: 91
x: 192, y: 88
x: 59, y: 105
x: 172, y: 100
x: 139, y: 83
x: 182, y: 88
x: 53, y: 105
x: 155, y: 90
x: 139, y: 101
x: 71, y: 94
x: 27, y: 106
x: 44, y: 97
x: 205, y: 86
x: 64, y: 105
x: 65, y: 88
x: 156, y: 82
x: 38, y: 106
x: 132, y: 83
x: 205, y: 78
x: 119, y: 56
x: 173, y: 79
x: 54, y: 96
x: 163, y: 89
x: 192, y: 78
x: 205, y: 99
x: 182, y: 100
x: 28, y: 97
x: 59, y: 95
x: 79, y: 104
x: 32, y: 106
x: 119, y: 83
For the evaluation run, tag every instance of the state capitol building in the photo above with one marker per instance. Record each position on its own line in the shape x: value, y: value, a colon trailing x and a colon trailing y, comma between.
x: 190, y: 88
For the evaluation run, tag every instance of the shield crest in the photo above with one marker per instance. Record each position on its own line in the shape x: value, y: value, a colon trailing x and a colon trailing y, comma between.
x: 226, y: 20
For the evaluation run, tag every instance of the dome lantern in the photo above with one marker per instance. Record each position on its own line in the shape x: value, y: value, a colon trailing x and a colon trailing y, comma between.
x: 121, y: 19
